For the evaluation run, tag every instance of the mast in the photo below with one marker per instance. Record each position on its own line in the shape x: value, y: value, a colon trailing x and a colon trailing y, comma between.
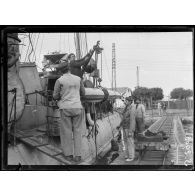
x: 78, y: 45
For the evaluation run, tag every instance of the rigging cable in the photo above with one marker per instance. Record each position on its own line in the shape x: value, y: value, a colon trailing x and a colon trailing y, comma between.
x: 86, y: 42
x: 31, y: 48
x: 75, y: 42
x: 101, y: 65
x: 22, y: 47
x: 100, y: 38
x: 32, y: 51
x: 60, y: 43
x: 27, y: 49
x: 112, y: 129
x: 41, y: 47
x: 68, y: 44
x: 81, y: 44
x: 96, y: 131
x: 33, y: 41
x: 84, y: 45
x: 64, y: 43
x: 107, y: 68
x: 33, y: 38
x: 34, y: 56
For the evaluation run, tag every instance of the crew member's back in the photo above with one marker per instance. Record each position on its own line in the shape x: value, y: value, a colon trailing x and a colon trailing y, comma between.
x: 69, y: 93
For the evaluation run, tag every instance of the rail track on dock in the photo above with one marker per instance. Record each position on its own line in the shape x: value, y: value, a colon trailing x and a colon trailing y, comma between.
x: 181, y: 145
x: 173, y: 150
x: 155, y: 152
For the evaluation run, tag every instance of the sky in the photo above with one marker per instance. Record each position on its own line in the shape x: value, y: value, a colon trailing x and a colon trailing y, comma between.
x: 164, y: 59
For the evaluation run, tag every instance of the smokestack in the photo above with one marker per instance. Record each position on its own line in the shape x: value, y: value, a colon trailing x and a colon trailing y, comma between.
x: 137, y: 76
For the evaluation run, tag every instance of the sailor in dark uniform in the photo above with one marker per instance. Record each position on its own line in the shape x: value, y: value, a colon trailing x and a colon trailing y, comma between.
x: 85, y: 64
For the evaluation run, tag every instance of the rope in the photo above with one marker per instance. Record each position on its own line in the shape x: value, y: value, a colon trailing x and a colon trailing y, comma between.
x: 41, y: 47
x: 86, y: 42
x: 14, y: 120
x: 34, y: 56
x: 12, y: 104
x: 27, y: 51
x: 60, y: 43
x: 112, y: 129
x: 22, y: 48
x: 31, y: 43
x: 83, y: 50
x: 96, y: 132
x: 32, y: 51
x: 68, y: 44
x: 33, y: 40
x: 64, y: 43
x: 75, y: 42
x: 31, y: 48
x: 94, y: 79
x: 101, y: 66
x: 79, y: 41
x: 107, y: 67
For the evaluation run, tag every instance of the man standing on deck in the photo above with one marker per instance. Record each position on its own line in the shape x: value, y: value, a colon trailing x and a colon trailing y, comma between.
x: 67, y: 91
x: 139, y: 116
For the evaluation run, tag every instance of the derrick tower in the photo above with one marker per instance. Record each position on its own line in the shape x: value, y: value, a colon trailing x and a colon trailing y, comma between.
x: 113, y: 67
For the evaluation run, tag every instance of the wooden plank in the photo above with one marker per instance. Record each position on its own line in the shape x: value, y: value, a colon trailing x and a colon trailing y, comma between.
x: 61, y: 158
x: 17, y: 135
x: 47, y: 150
x: 39, y: 142
x: 42, y: 128
x: 149, y: 139
x: 20, y: 135
x: 19, y: 132
x: 30, y: 133
x: 31, y: 142
x: 56, y: 149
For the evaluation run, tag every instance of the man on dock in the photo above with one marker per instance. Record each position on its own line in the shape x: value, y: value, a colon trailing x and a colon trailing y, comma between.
x: 159, y: 108
x: 128, y: 128
x: 139, y: 116
x: 67, y: 91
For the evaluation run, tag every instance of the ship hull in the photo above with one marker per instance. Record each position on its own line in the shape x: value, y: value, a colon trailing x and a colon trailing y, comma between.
x: 41, y: 121
x: 27, y: 154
